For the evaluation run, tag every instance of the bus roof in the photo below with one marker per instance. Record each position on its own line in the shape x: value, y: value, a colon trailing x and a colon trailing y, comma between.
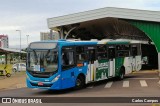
x: 63, y: 42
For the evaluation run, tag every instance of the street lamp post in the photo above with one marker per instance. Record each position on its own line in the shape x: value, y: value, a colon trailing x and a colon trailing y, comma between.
x: 19, y: 46
x: 27, y: 39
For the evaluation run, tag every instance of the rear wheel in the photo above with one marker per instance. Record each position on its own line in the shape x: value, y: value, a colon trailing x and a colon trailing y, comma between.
x: 80, y: 82
x: 121, y: 74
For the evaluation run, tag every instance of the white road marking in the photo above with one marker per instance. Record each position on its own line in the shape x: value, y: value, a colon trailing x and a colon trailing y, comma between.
x: 144, y: 78
x: 108, y: 85
x: 35, y: 89
x: 20, y: 85
x: 125, y: 83
x: 90, y: 86
x: 143, y: 83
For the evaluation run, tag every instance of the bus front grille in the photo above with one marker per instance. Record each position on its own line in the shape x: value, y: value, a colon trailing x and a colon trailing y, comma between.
x: 44, y: 85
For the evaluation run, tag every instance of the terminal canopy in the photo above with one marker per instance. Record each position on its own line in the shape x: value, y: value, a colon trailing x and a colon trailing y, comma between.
x: 106, y: 28
x: 103, y: 23
x: 8, y: 50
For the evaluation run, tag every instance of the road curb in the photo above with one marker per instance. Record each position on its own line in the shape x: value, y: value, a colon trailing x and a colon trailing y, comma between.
x: 136, y: 72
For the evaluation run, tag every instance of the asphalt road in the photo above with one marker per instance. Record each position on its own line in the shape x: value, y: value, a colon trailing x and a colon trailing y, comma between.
x: 134, y: 85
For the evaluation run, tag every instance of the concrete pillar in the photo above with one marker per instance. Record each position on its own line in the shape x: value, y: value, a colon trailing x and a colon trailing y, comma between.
x: 62, y: 33
x: 159, y: 61
x: 59, y: 34
x: 159, y: 67
x: 6, y: 57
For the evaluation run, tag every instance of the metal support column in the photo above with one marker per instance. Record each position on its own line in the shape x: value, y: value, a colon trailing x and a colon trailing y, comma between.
x: 159, y: 67
x: 69, y: 32
x: 62, y: 33
x: 59, y: 34
x: 6, y: 56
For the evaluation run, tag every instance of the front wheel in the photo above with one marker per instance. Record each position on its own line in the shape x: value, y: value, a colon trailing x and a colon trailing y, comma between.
x: 80, y: 82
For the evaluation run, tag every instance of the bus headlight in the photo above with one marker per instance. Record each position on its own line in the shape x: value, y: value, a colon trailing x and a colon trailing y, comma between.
x: 27, y: 77
x: 56, y: 78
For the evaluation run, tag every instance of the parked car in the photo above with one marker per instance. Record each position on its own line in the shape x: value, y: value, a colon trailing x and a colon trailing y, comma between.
x: 19, y: 67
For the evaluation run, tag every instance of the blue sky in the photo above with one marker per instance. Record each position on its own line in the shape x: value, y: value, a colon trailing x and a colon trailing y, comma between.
x: 30, y: 16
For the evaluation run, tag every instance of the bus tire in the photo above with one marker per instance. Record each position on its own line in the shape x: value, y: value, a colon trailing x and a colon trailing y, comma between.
x: 80, y: 82
x: 8, y: 75
x: 121, y: 74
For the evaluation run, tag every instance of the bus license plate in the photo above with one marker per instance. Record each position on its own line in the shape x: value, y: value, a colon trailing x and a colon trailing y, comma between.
x: 40, y: 83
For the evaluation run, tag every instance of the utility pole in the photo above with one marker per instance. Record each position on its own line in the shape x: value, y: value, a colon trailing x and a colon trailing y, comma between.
x: 19, y: 47
x: 27, y: 39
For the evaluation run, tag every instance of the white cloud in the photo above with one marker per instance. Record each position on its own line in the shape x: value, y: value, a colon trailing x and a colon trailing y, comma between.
x: 29, y: 24
x: 8, y: 28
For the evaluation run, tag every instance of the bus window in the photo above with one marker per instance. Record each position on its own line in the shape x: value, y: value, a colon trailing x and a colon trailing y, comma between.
x: 122, y: 50
x: 80, y: 54
x: 134, y: 51
x: 91, y: 54
x: 111, y: 52
x: 101, y: 52
x: 122, y: 47
x: 67, y: 59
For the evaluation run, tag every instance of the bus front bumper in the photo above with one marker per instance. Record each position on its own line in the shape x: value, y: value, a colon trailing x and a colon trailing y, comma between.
x: 43, y: 85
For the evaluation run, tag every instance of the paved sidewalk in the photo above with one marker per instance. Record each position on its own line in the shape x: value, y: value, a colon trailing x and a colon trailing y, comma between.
x: 147, y: 71
x: 17, y: 80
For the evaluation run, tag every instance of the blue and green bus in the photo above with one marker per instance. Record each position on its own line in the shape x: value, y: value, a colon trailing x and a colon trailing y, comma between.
x: 63, y: 64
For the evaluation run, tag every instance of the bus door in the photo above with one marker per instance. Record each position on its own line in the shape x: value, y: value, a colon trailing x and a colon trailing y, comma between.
x: 68, y: 67
x: 128, y: 64
x: 123, y: 52
x: 111, y: 56
x: 91, y: 60
x: 136, y: 61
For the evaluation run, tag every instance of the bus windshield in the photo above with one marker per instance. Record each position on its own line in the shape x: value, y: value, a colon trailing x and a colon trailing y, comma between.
x: 42, y: 60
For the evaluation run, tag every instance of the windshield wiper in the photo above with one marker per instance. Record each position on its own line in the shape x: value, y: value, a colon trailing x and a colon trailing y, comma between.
x: 36, y: 57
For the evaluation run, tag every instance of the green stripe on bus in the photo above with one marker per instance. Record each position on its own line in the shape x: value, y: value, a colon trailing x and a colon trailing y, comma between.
x: 102, y: 69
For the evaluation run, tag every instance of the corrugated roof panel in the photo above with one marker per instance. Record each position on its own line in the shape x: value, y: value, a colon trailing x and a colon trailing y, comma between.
x: 103, y: 13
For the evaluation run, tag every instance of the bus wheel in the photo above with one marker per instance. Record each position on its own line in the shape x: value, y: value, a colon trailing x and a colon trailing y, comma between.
x: 8, y: 75
x: 121, y: 75
x: 80, y: 82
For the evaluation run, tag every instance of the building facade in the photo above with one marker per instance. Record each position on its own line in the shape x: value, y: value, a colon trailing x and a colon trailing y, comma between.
x: 4, y: 41
x: 49, y: 35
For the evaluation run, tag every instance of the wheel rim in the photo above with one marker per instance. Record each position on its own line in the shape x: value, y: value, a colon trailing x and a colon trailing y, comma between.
x: 122, y: 76
x: 78, y: 82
